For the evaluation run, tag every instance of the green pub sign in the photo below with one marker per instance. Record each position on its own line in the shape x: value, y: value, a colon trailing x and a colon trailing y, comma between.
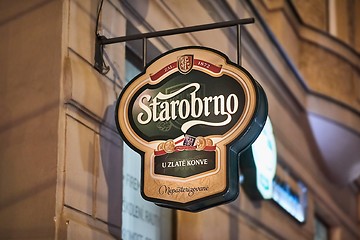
x: 189, y: 115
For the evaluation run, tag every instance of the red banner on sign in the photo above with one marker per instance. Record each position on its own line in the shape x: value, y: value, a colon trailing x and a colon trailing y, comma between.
x: 197, y: 62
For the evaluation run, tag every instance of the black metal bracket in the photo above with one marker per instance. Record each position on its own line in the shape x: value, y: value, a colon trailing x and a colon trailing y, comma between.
x: 99, y: 56
x: 101, y: 41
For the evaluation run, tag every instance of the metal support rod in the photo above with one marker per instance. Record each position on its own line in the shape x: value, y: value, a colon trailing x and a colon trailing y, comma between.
x: 144, y: 52
x: 177, y: 31
x: 238, y: 44
x: 101, y: 41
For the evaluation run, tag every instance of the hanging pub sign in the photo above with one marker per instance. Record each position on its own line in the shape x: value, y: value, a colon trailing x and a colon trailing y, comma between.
x: 189, y: 115
x: 258, y: 165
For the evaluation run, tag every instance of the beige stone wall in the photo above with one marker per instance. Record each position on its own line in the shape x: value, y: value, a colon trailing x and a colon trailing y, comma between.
x: 336, y: 17
x: 327, y: 66
x: 313, y: 12
x: 90, y: 195
x: 355, y: 25
x: 343, y: 14
x: 334, y: 78
x: 30, y: 67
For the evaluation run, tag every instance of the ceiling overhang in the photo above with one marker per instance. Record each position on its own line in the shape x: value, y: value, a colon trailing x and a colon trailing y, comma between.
x: 339, y: 148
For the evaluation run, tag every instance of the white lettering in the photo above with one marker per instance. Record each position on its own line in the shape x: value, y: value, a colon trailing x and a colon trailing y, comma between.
x: 158, y: 109
x: 218, y: 104
x: 173, y: 111
x: 198, y: 104
x: 164, y: 115
x: 182, y: 108
x: 206, y: 105
x: 146, y: 109
x: 235, y: 104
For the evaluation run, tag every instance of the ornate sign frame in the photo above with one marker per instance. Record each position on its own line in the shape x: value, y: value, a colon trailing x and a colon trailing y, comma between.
x: 189, y: 115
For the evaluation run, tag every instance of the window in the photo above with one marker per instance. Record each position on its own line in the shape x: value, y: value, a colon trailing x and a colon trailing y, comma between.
x: 321, y: 230
x: 140, y: 219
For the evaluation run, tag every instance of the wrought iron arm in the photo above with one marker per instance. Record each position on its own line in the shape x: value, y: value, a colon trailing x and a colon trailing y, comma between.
x: 101, y: 41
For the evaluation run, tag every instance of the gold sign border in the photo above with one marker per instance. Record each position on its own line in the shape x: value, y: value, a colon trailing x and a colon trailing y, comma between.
x: 216, y: 179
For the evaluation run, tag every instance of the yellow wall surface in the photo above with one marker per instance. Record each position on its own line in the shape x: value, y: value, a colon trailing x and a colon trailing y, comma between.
x: 30, y: 67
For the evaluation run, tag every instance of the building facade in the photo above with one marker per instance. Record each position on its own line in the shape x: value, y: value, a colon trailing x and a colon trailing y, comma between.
x: 65, y: 173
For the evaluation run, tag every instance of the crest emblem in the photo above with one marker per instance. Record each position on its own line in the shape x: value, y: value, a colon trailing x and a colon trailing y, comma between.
x: 185, y: 63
